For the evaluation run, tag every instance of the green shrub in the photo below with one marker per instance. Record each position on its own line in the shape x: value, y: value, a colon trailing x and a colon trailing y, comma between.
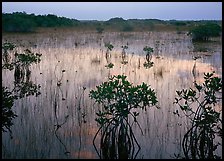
x: 205, y: 31
x: 127, y: 28
x: 99, y: 29
x: 23, y: 22
x: 120, y: 99
x: 206, y: 124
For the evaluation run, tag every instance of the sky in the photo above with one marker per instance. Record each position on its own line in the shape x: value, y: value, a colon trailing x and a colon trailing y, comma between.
x: 127, y: 10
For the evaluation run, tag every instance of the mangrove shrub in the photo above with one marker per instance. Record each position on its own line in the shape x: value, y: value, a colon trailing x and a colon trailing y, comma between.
x: 205, y: 31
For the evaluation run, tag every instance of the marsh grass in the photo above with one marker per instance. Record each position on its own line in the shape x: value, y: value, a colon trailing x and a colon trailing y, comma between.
x: 36, y: 119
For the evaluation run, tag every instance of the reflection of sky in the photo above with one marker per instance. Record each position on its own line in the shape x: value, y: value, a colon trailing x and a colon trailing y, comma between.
x: 85, y: 67
x: 126, y: 10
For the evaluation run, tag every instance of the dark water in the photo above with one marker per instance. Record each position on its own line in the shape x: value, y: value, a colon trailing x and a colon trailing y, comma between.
x: 60, y: 123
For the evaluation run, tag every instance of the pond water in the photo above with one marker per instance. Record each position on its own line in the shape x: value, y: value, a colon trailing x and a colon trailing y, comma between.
x: 60, y: 122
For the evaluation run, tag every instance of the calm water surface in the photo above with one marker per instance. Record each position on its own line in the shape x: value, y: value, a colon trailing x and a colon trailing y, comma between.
x: 82, y: 56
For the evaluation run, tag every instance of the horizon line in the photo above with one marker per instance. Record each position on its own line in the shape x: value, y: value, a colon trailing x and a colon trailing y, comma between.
x: 115, y: 17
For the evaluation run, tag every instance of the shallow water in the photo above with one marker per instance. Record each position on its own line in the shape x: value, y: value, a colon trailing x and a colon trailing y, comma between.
x: 82, y: 56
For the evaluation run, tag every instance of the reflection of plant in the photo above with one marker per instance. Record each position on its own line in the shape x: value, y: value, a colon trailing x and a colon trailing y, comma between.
x: 23, y: 62
x: 5, y: 55
x: 110, y: 65
x: 124, y: 62
x: 23, y: 87
x: 198, y: 142
x: 148, y: 51
x: 6, y: 47
x: 120, y: 99
x: 124, y: 47
x: 59, y: 80
x: 109, y: 47
x: 7, y: 113
x: 123, y: 54
x: 20, y: 63
x: 148, y: 64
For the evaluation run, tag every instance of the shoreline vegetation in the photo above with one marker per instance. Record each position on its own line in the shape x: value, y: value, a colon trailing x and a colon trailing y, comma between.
x: 31, y: 23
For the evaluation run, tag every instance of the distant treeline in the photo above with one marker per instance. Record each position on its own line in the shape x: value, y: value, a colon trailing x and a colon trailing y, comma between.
x: 23, y: 22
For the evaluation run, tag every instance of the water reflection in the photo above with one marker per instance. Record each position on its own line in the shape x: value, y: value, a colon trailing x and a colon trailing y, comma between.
x: 35, y: 134
x: 117, y: 142
x: 23, y: 86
